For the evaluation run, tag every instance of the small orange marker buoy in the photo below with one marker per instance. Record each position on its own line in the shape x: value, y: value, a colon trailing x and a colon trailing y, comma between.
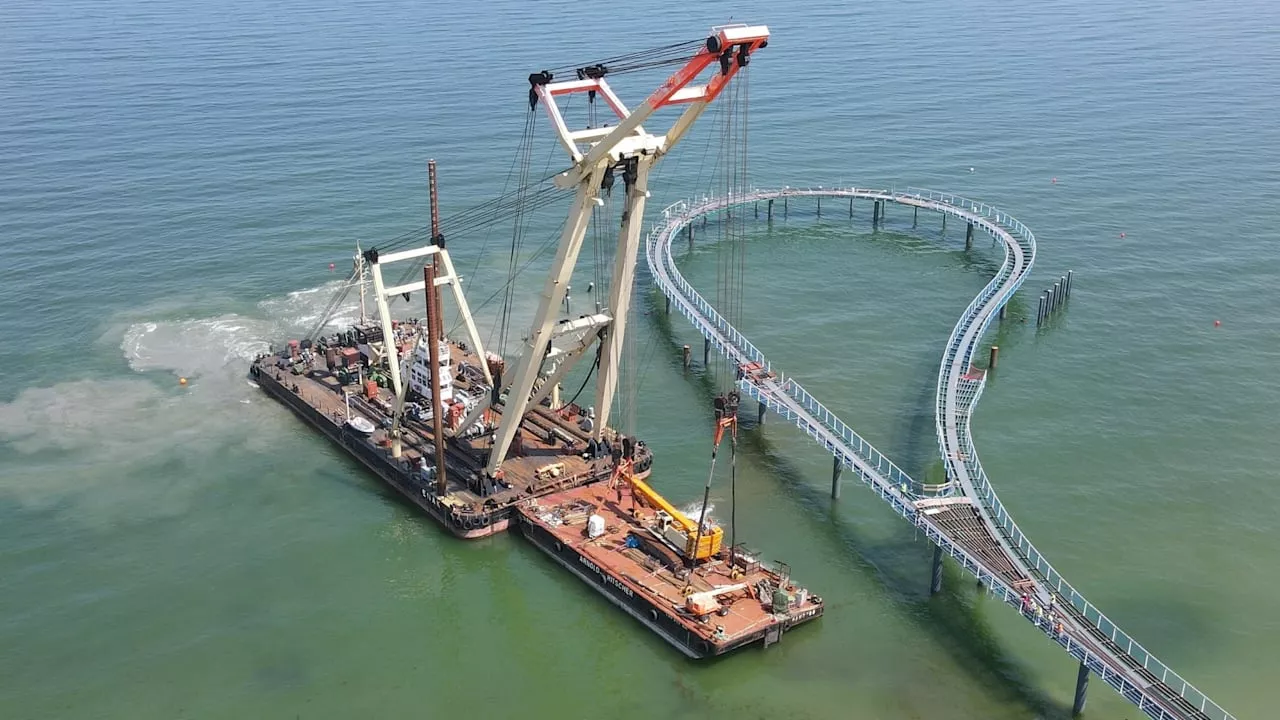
x: 1121, y: 234
x: 1217, y: 323
x: 182, y: 381
x: 331, y: 266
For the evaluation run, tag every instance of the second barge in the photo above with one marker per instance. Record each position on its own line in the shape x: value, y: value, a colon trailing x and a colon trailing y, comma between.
x: 727, y: 600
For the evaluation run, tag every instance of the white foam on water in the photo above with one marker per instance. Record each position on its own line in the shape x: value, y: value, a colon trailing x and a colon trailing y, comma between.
x: 113, y: 448
x: 131, y: 448
x: 694, y: 510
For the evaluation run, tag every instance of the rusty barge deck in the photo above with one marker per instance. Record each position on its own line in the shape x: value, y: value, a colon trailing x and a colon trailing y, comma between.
x: 551, y: 455
x: 648, y: 580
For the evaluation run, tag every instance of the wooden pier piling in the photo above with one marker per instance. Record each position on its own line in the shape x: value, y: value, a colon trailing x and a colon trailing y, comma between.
x: 993, y: 357
x: 968, y: 237
x: 760, y: 412
x: 688, y: 357
x: 706, y: 352
x: 836, y: 468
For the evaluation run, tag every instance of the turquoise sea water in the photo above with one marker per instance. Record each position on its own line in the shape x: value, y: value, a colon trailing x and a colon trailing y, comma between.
x: 176, y: 180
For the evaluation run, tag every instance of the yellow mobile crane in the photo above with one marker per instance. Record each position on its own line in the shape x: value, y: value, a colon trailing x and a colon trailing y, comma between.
x: 693, y: 539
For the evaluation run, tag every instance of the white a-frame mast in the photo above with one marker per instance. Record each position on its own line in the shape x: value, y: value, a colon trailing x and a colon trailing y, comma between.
x: 595, y: 153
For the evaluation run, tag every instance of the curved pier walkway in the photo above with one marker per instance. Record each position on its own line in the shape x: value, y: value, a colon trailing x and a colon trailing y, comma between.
x: 962, y: 516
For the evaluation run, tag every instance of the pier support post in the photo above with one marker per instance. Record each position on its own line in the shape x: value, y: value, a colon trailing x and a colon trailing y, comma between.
x: 935, y: 578
x: 688, y: 357
x: 819, y: 206
x: 915, y: 216
x: 1082, y: 689
x: 706, y: 352
x: 875, y: 212
x: 968, y: 237
x: 836, y: 468
x: 770, y: 208
x: 757, y: 210
x: 995, y: 356
x: 760, y: 411
x: 784, y: 207
x: 668, y: 306
x: 850, y: 207
x: 1069, y: 273
x: 1004, y: 309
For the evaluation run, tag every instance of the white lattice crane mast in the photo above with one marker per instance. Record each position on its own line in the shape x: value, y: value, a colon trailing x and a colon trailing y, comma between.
x: 597, y: 153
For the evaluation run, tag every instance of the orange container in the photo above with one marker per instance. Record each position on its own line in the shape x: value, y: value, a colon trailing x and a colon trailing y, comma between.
x: 370, y: 389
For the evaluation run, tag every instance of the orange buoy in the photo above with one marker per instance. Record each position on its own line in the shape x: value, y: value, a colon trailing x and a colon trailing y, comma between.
x: 182, y: 381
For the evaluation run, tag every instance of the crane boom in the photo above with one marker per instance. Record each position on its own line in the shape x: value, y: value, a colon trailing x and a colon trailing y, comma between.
x: 694, y: 545
x: 596, y: 153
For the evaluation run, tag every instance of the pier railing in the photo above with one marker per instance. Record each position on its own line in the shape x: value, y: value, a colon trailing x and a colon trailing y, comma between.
x: 985, y: 307
x: 1019, y: 255
x: 742, y: 350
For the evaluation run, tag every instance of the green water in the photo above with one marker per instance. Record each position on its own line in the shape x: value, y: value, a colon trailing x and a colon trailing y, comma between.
x: 179, y: 178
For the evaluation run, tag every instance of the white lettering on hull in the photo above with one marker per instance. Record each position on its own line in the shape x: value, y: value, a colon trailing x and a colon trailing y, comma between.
x: 607, y: 578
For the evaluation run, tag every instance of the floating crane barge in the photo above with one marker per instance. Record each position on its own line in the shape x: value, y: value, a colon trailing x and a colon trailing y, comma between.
x: 474, y: 446
x: 369, y: 390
